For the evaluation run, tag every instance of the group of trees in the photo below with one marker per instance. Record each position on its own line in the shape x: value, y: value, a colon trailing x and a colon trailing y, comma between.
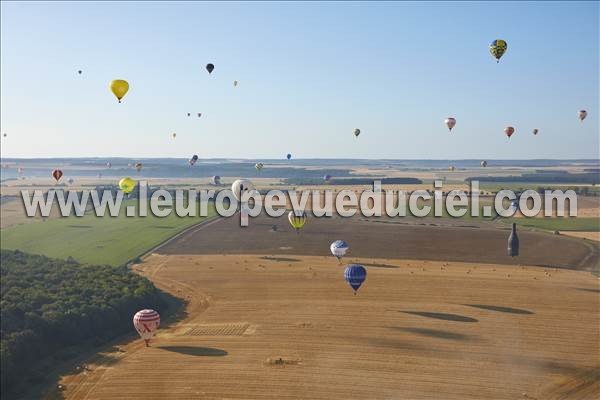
x: 49, y: 306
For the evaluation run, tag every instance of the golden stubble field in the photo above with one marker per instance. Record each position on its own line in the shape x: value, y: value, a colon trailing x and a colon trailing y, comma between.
x: 289, y: 327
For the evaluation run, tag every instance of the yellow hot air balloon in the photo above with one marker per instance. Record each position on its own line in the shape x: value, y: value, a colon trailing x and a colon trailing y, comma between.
x: 127, y: 185
x: 119, y: 88
x: 297, y: 219
x: 498, y: 48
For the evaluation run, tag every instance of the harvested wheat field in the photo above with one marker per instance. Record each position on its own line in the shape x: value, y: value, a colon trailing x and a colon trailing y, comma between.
x: 288, y: 327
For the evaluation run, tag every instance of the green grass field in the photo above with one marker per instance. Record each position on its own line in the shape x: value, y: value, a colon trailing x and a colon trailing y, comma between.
x: 96, y: 240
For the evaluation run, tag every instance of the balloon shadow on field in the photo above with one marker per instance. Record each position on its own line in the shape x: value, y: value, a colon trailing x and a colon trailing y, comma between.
x: 442, y: 316
x: 588, y: 290
x: 195, y: 351
x: 434, y: 333
x: 509, y: 310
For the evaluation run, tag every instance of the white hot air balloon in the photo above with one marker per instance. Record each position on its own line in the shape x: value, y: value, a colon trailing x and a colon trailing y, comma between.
x: 146, y: 322
x: 339, y: 248
x: 241, y: 186
x: 450, y: 123
x: 582, y: 114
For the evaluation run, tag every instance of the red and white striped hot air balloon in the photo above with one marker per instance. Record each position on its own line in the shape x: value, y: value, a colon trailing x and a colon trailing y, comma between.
x: 146, y: 322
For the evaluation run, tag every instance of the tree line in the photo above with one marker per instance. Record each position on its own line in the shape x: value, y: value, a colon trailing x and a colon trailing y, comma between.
x: 51, y: 307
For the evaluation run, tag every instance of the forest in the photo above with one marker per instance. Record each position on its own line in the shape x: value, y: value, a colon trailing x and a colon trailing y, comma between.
x: 51, y: 309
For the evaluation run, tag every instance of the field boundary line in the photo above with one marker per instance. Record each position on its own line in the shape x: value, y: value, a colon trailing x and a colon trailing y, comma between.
x: 199, y: 225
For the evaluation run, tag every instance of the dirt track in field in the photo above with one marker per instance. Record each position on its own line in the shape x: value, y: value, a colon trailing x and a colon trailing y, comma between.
x: 289, y: 327
x: 401, y: 238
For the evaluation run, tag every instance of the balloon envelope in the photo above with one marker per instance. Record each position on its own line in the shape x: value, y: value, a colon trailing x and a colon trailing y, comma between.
x: 297, y: 219
x: 216, y: 180
x: 57, y: 174
x: 339, y: 248
x: 356, y: 132
x: 450, y: 123
x: 241, y: 186
x: 582, y: 114
x: 498, y: 47
x: 289, y: 156
x: 119, y: 87
x: 210, y: 68
x: 146, y: 322
x: 355, y: 275
x: 509, y: 130
x: 126, y: 185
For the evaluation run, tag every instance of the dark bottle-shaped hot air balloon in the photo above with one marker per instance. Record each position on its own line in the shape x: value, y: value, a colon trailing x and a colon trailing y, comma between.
x: 513, y: 242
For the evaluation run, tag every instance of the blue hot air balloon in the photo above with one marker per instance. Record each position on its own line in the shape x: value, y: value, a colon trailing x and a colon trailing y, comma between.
x: 289, y: 156
x: 355, y: 275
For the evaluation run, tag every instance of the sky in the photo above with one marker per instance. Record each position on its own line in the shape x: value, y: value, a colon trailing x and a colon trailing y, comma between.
x: 308, y: 73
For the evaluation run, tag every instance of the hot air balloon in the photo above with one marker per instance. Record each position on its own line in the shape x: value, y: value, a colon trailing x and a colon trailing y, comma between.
x: 452, y: 168
x: 535, y: 131
x: 79, y: 72
x: 355, y: 275
x: 119, y: 88
x: 4, y: 134
x: 327, y: 178
x: 509, y: 130
x: 297, y: 219
x: 288, y: 156
x: 193, y: 160
x: 240, y: 186
x: 339, y: 249
x: 138, y: 166
x: 199, y: 115
x: 216, y: 180
x: 259, y: 166
x: 70, y: 181
x: 108, y: 165
x: 356, y: 132
x: 450, y: 123
x: 513, y: 242
x: 189, y: 114
x: 174, y: 135
x: 57, y: 174
x: 209, y: 68
x: 498, y: 48
x: 235, y: 83
x: 127, y: 185
x: 582, y: 114
x: 146, y: 322
x: 484, y: 164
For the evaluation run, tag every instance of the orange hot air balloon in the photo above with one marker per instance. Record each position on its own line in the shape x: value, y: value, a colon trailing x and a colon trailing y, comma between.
x: 509, y: 130
x: 57, y: 174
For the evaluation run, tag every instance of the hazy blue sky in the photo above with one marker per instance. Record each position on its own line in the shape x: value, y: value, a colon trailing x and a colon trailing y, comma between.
x: 308, y: 73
